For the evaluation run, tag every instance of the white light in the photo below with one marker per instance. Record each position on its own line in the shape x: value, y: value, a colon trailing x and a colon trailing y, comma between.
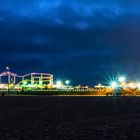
x: 59, y: 84
x: 122, y: 79
x: 67, y: 82
x: 40, y: 82
x: 114, y: 84
x: 25, y: 82
x: 138, y: 85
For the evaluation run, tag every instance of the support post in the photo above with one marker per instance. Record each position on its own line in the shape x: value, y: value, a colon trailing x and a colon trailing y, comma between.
x: 9, y: 83
x: 14, y: 79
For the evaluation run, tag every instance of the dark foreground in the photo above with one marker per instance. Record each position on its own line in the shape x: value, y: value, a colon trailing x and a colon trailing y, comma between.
x: 53, y: 117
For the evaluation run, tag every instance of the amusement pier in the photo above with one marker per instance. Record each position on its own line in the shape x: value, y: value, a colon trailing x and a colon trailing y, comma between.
x: 44, y: 84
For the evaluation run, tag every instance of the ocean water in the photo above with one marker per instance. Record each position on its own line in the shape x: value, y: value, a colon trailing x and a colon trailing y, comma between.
x: 58, y: 117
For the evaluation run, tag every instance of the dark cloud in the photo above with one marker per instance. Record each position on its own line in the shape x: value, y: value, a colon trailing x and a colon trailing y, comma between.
x: 82, y: 40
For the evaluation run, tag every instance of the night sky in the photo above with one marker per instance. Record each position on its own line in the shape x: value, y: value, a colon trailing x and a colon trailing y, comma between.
x: 85, y: 41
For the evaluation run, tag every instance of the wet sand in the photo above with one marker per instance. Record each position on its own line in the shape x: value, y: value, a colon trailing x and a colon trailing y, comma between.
x: 58, y: 117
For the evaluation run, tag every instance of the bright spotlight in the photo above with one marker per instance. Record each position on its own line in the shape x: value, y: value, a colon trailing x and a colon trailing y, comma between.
x: 122, y: 79
x: 59, y: 84
x: 114, y: 84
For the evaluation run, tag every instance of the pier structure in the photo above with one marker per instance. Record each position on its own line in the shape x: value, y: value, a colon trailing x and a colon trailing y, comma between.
x: 43, y: 83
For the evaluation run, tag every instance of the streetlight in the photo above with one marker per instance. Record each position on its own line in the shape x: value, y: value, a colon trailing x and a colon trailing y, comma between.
x: 67, y: 82
x: 9, y: 77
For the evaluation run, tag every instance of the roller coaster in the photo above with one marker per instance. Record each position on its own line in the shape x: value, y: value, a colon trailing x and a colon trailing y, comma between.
x: 25, y: 82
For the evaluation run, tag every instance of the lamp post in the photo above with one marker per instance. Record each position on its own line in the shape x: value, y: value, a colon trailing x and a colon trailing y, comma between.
x: 8, y: 74
x: 67, y: 82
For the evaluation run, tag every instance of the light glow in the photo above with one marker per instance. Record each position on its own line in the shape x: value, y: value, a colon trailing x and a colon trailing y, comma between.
x: 40, y: 82
x: 114, y: 84
x: 138, y: 85
x: 67, y: 82
x: 25, y: 82
x: 132, y: 85
x: 59, y: 84
x: 122, y: 79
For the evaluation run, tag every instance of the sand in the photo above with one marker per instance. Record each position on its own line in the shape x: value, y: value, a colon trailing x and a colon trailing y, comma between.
x: 58, y: 117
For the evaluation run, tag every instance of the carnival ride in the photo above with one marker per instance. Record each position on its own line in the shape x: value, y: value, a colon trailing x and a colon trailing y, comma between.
x: 25, y: 82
